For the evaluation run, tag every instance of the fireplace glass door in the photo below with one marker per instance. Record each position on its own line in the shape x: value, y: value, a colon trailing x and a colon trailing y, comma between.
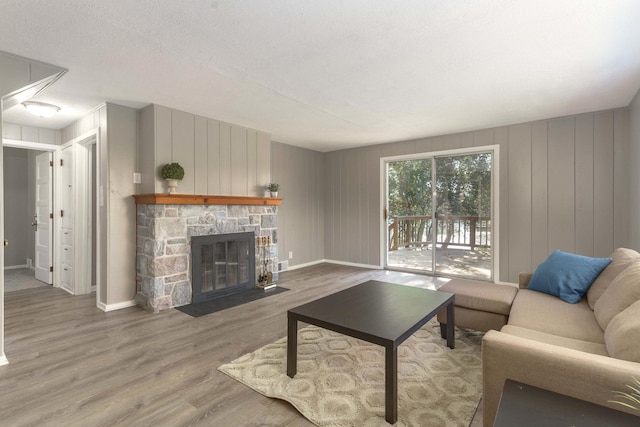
x: 222, y: 264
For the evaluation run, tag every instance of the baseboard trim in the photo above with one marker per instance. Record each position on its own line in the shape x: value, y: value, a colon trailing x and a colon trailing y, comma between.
x: 4, y: 360
x: 116, y: 306
x: 15, y: 267
x: 331, y: 261
x: 354, y: 264
x: 306, y: 264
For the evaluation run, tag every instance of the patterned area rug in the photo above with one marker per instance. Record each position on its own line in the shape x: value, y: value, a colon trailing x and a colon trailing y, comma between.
x: 340, y: 380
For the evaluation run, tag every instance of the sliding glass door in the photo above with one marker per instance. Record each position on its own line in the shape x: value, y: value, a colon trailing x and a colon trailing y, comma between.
x: 439, y: 215
x: 410, y: 214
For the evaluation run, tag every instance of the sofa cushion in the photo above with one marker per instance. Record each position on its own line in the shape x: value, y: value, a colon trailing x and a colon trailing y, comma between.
x: 622, y: 336
x: 481, y: 296
x: 623, y: 291
x: 546, y: 313
x: 621, y: 259
x: 566, y: 275
x: 586, y: 346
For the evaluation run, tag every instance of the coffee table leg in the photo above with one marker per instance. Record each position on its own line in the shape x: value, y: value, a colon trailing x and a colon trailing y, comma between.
x: 292, y: 346
x: 391, y: 384
x: 451, y: 339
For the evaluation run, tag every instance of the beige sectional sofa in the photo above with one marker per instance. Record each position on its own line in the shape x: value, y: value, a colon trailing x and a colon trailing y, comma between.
x: 585, y: 350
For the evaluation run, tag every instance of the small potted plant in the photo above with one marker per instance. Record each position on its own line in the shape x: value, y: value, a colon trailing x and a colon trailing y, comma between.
x: 273, y: 188
x: 629, y: 399
x: 172, y: 173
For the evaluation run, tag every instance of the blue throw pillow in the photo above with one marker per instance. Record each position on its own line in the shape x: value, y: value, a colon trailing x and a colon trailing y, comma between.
x: 566, y: 275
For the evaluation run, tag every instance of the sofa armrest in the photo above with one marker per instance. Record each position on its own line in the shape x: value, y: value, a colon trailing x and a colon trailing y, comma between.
x: 566, y: 371
x: 524, y: 279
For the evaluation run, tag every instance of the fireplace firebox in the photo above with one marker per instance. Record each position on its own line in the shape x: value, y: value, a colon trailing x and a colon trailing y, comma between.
x: 222, y: 264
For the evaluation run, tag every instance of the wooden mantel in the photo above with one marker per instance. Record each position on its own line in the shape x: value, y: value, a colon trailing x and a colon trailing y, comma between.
x: 192, y: 199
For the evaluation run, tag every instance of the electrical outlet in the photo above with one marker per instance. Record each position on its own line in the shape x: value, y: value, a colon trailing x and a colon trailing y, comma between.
x: 137, y: 178
x: 290, y: 254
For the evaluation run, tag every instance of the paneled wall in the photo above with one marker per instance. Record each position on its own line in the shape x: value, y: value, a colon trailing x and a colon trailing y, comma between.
x: 218, y: 158
x: 300, y: 172
x: 564, y: 184
x: 31, y: 134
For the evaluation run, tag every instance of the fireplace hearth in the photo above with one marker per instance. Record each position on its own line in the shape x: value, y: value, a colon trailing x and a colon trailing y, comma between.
x: 222, y: 264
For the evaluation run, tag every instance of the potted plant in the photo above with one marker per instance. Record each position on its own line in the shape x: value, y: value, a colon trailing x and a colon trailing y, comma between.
x: 172, y: 173
x: 273, y: 188
x: 629, y: 399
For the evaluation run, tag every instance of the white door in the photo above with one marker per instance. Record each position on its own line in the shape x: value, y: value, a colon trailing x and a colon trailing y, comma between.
x: 66, y: 213
x: 43, y: 218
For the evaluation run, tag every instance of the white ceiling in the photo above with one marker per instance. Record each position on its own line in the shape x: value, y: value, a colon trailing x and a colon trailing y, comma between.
x: 331, y: 74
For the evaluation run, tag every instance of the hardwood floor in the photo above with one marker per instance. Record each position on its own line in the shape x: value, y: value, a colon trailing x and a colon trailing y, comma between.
x: 72, y: 364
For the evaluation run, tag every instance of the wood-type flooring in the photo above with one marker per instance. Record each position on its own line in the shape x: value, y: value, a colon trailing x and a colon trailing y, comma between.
x: 71, y: 364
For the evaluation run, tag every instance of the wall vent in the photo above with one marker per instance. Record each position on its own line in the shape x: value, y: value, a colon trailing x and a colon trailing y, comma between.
x: 283, y: 265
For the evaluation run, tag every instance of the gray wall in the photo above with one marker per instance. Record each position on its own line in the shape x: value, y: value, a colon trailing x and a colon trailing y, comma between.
x: 17, y: 217
x: 218, y: 158
x: 634, y: 183
x: 300, y: 172
x: 564, y: 183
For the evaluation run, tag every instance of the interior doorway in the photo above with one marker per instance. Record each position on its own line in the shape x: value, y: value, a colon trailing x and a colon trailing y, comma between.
x: 25, y: 212
x: 440, y: 213
x: 60, y: 224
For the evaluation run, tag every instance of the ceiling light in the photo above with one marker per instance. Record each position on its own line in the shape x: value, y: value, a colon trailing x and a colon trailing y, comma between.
x: 41, y: 109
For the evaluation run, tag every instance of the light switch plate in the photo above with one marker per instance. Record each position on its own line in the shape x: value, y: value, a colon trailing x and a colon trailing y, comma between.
x: 137, y: 178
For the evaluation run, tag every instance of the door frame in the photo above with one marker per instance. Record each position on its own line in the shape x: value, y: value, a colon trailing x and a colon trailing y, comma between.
x: 495, y: 196
x: 83, y: 205
x: 82, y: 202
x: 58, y: 182
x: 54, y: 149
x: 82, y: 244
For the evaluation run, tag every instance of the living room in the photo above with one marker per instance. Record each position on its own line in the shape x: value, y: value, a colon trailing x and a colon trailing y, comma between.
x: 566, y: 143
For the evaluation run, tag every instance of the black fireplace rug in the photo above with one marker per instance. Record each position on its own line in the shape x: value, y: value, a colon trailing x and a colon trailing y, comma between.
x: 223, y: 303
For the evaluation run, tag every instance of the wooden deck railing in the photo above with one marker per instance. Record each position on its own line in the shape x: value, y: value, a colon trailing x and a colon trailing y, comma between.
x: 471, y: 231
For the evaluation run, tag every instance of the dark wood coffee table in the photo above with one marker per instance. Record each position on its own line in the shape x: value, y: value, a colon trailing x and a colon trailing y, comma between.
x: 380, y: 313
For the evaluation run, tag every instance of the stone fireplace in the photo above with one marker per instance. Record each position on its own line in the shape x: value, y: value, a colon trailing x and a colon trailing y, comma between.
x: 166, y: 225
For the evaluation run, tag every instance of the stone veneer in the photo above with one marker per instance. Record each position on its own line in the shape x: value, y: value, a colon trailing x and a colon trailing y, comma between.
x: 163, y: 253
